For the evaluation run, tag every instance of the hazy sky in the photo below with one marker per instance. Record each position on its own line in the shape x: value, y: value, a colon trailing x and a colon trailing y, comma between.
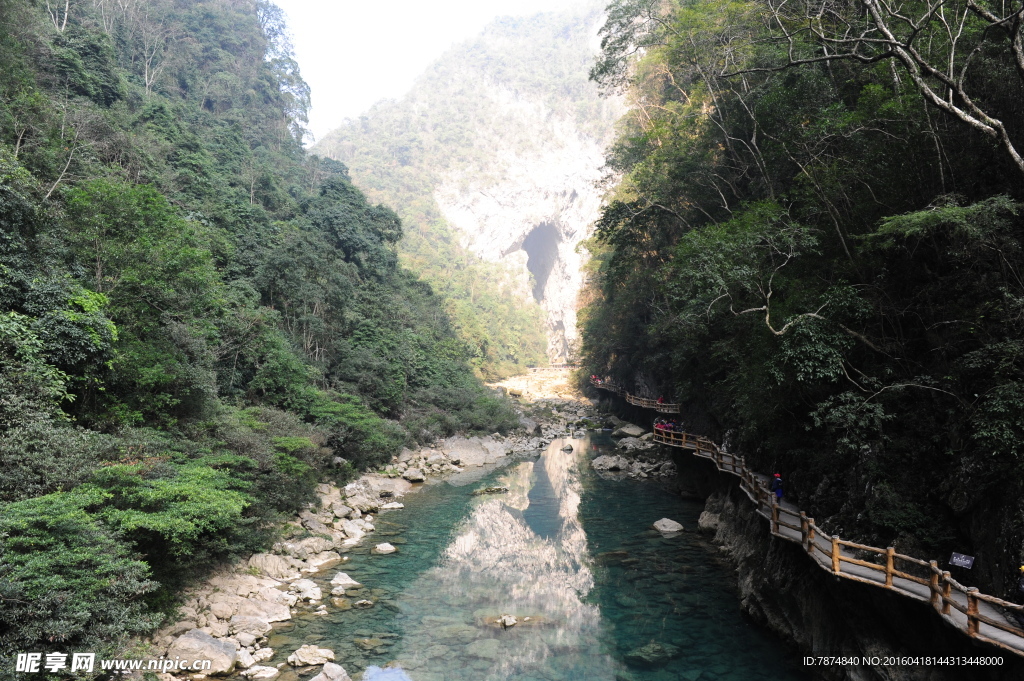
x: 353, y: 53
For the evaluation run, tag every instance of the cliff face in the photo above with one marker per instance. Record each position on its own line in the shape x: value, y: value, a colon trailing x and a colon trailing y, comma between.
x: 532, y: 207
x: 782, y: 589
x: 495, y: 156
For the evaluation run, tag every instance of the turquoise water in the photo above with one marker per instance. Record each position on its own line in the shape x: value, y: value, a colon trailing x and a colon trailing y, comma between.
x: 571, y: 556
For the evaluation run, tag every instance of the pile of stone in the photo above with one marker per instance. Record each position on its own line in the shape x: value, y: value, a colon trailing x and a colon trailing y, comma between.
x: 228, y: 620
x: 634, y: 468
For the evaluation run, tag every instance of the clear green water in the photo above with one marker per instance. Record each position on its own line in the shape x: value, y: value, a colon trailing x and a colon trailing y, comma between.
x: 565, y: 548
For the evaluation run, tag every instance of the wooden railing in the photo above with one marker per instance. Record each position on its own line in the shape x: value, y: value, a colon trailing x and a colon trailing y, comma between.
x: 646, y: 403
x: 974, y: 613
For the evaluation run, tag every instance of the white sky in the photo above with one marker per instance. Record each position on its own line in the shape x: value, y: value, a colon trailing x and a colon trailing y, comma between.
x: 356, y: 52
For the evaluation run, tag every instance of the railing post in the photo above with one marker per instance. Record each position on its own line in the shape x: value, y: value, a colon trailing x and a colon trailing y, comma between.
x: 933, y: 584
x: 946, y: 588
x: 803, y: 529
x: 835, y: 555
x: 775, y: 515
x: 889, y: 559
x: 972, y: 612
x: 810, y: 536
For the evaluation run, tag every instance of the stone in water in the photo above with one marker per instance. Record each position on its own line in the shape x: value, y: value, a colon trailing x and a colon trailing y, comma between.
x: 667, y: 526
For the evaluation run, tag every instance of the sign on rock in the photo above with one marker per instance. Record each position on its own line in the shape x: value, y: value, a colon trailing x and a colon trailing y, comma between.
x: 960, y: 560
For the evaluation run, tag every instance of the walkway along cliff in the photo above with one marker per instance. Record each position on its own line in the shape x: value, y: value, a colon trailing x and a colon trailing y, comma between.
x: 981, y: 617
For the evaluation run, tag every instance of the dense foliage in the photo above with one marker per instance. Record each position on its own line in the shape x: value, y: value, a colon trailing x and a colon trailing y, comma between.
x: 198, y: 320
x: 458, y: 124
x: 823, y: 263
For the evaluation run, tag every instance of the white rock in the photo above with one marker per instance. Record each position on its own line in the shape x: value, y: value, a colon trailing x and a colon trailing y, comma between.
x: 351, y: 529
x: 275, y: 595
x: 384, y: 548
x: 222, y: 610
x: 268, y: 611
x: 610, y: 463
x: 279, y: 567
x: 332, y: 672
x: 507, y: 621
x: 392, y: 505
x: 263, y: 654
x: 342, y: 579
x: 322, y: 558
x: 414, y: 475
x: 259, y: 673
x: 629, y: 430
x: 338, y: 591
x: 245, y: 639
x: 244, y: 659
x: 307, y: 590
x: 307, y: 656
x: 198, y: 645
x: 667, y: 526
x: 246, y: 624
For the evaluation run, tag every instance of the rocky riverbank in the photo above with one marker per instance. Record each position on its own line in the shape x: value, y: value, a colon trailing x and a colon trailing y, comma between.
x: 232, y: 619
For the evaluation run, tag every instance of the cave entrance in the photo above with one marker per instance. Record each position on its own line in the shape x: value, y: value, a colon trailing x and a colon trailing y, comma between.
x: 541, y: 246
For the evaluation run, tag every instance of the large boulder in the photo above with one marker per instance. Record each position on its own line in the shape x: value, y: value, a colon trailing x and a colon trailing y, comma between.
x: 628, y: 430
x: 198, y: 645
x: 610, y: 463
x: 314, y: 524
x: 332, y: 672
x: 247, y: 624
x: 323, y: 558
x: 309, y: 655
x: 309, y: 546
x: 364, y: 502
x: 530, y: 426
x: 342, y: 579
x: 414, y: 475
x: 307, y: 590
x: 666, y: 526
x: 632, y: 443
x: 278, y: 567
x: 351, y: 529
x: 268, y: 611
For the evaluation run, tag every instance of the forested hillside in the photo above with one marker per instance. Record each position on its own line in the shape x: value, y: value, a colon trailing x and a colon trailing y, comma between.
x: 817, y: 248
x: 482, y: 115
x: 200, y: 321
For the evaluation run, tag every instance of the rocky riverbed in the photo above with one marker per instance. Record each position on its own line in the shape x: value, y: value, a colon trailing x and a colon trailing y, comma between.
x: 235, y: 619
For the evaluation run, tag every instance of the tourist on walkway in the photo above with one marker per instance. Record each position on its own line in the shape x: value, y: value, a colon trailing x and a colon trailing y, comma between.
x: 777, y: 486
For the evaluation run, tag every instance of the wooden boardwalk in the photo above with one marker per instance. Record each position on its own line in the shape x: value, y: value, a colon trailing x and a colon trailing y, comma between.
x: 646, y: 403
x: 978, y: 615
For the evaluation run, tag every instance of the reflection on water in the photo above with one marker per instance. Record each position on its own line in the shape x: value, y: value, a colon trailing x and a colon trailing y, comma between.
x: 525, y: 554
x: 565, y: 548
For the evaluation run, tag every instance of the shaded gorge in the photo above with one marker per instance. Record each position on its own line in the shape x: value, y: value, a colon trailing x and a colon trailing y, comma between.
x: 598, y: 595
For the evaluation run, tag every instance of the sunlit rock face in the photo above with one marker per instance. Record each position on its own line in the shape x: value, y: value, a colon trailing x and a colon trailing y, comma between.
x: 536, y: 202
x: 505, y: 560
x: 498, y: 147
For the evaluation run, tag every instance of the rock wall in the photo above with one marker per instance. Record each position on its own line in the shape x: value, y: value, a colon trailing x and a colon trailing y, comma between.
x: 533, y: 207
x: 818, y: 614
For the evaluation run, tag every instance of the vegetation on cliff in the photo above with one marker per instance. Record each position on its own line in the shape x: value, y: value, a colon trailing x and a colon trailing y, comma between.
x: 462, y: 120
x: 199, y: 320
x: 816, y: 247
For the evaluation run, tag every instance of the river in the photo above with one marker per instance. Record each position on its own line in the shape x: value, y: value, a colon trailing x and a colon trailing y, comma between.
x: 568, y: 553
